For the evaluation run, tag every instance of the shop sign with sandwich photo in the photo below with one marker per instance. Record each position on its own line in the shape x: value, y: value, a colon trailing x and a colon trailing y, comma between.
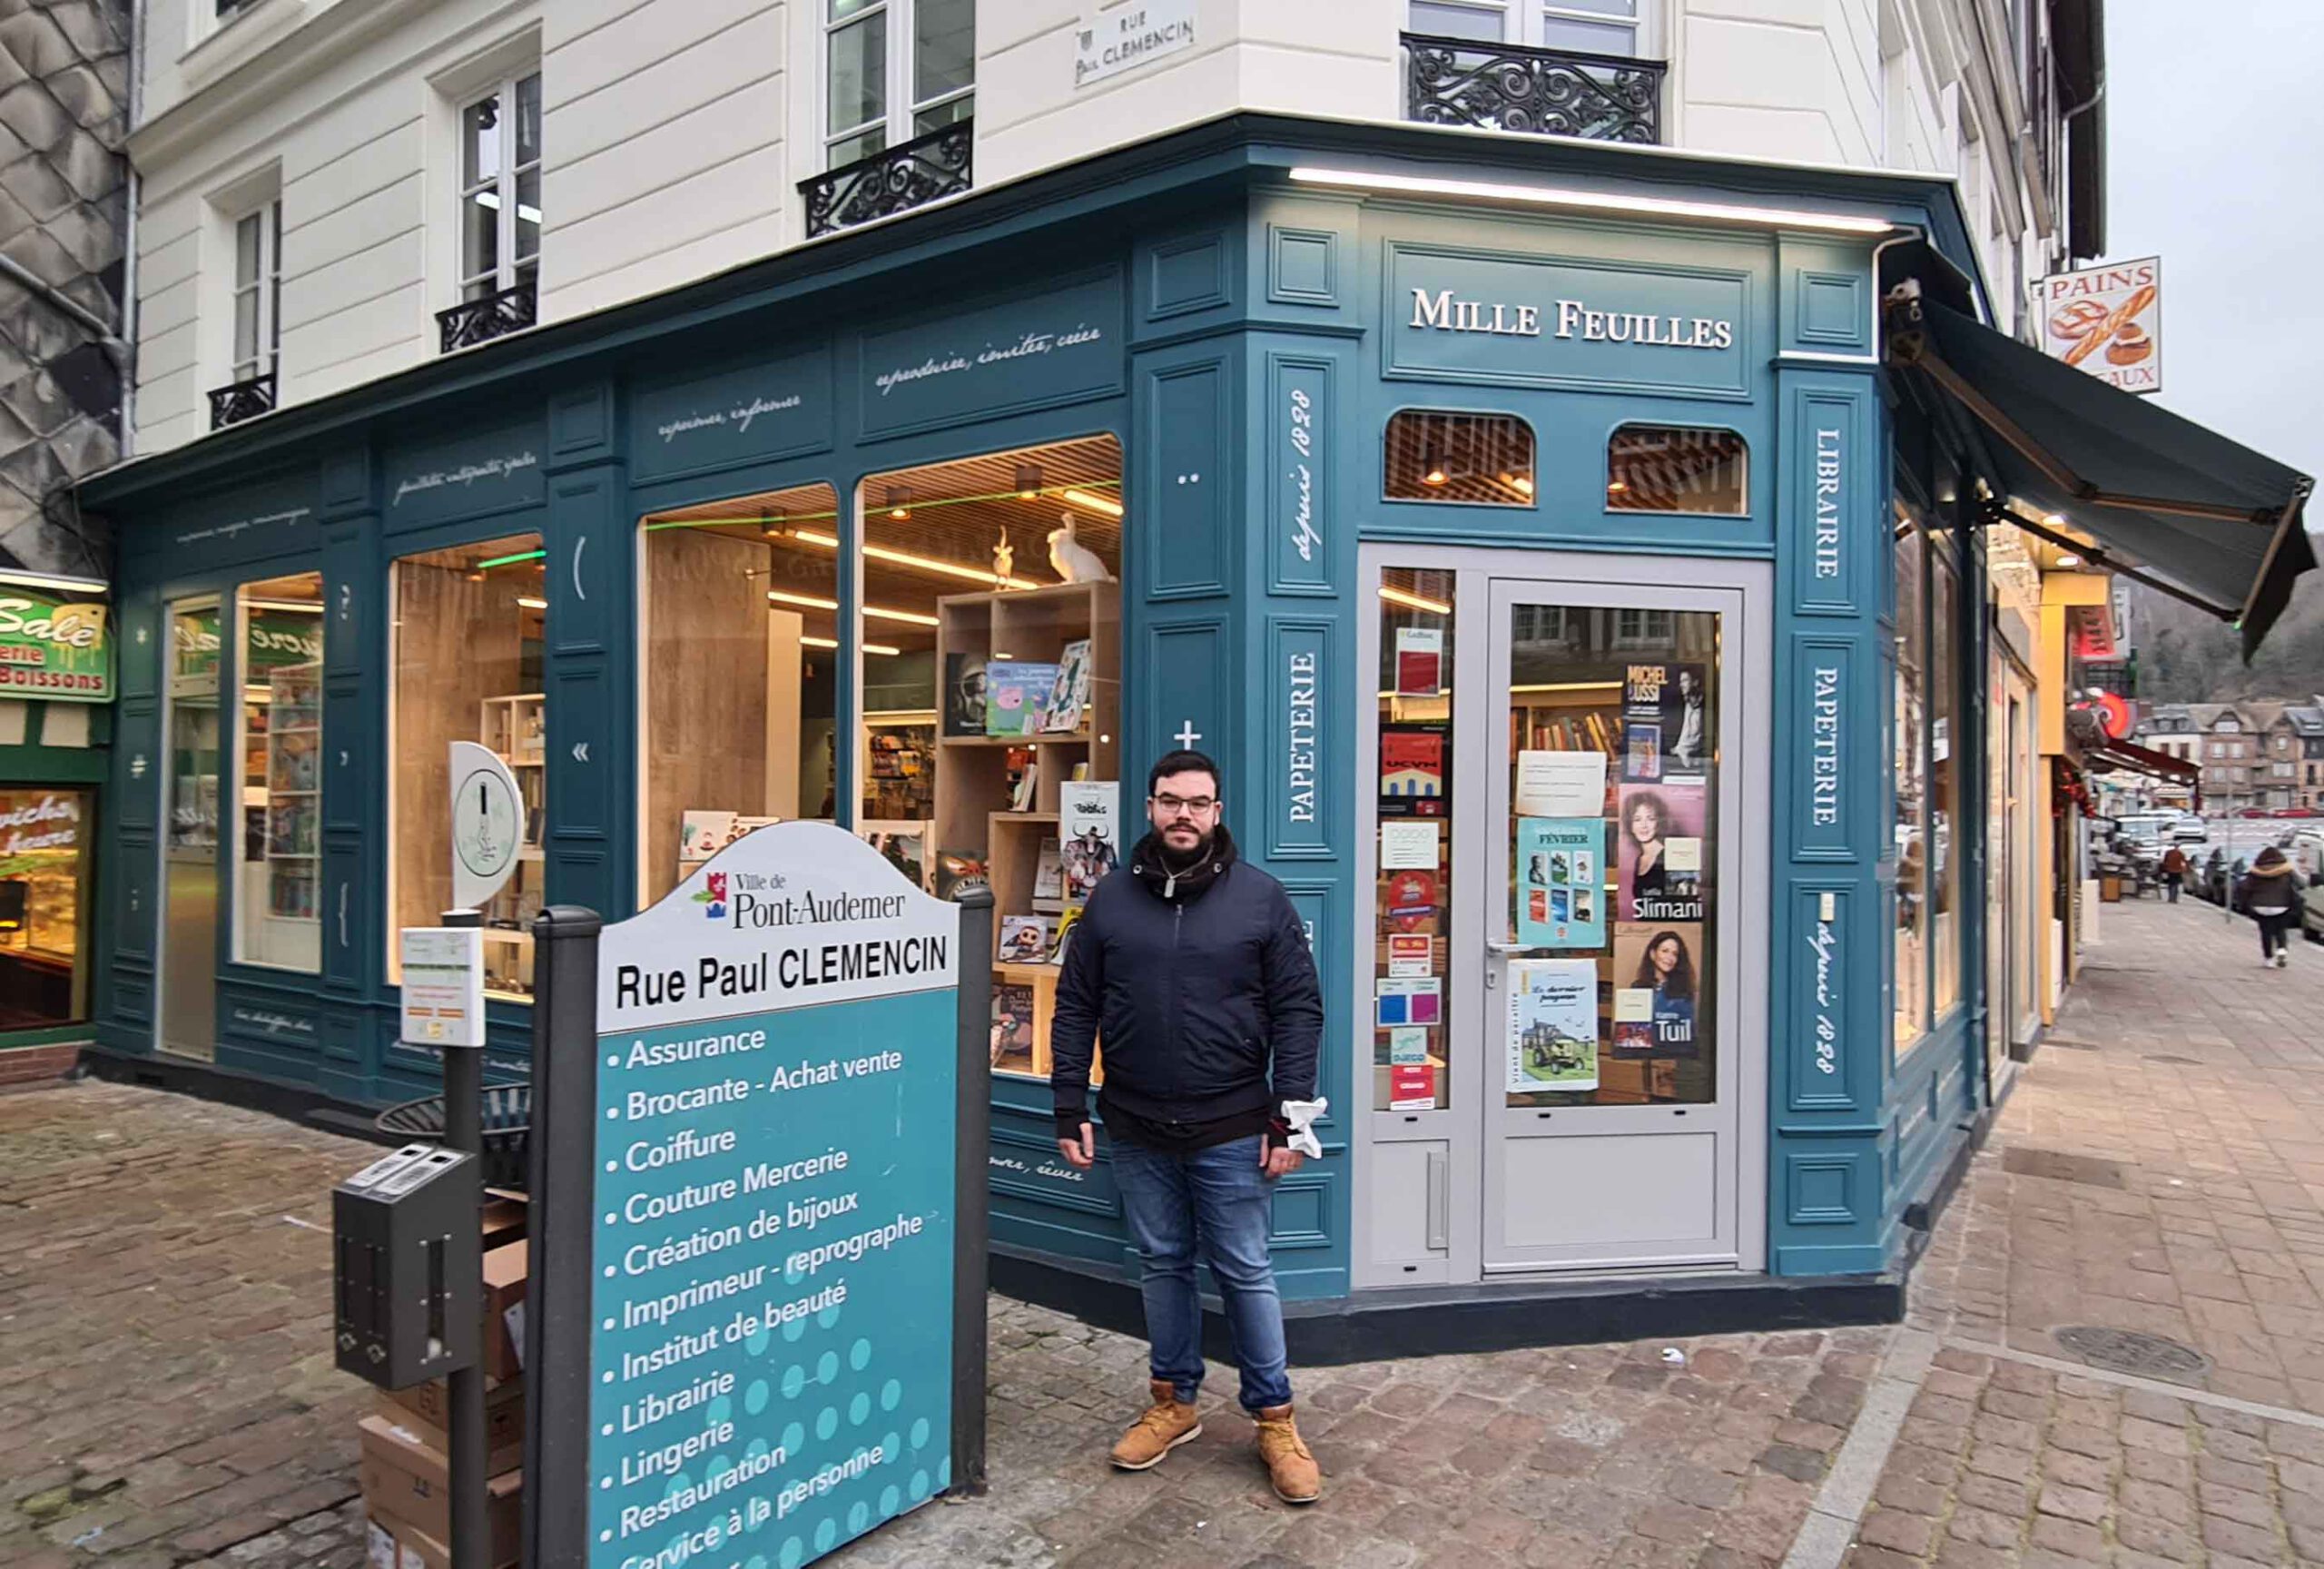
x: 2107, y: 320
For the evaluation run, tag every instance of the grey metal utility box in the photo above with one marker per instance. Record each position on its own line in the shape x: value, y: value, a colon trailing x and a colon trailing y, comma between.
x: 408, y: 1292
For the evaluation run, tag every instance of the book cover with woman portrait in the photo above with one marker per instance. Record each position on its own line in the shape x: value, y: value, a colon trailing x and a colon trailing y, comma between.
x: 1658, y: 983
x: 1660, y: 852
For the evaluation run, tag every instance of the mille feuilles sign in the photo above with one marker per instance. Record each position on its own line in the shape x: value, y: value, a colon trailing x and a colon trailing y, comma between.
x: 1526, y: 320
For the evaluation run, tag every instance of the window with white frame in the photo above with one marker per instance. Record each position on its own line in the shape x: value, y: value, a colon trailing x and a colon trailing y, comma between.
x: 258, y: 294
x: 894, y: 70
x: 1591, y: 26
x: 500, y: 188
x: 1641, y: 628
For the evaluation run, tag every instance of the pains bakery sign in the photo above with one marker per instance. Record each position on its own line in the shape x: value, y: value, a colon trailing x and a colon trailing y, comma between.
x: 2106, y: 320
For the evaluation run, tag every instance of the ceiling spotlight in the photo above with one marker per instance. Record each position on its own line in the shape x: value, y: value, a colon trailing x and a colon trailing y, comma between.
x: 900, y: 502
x: 1028, y: 482
x: 1618, y: 487
x: 1433, y: 470
x: 773, y: 523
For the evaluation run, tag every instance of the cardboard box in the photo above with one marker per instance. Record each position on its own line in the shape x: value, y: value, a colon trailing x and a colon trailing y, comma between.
x: 407, y: 1480
x: 504, y: 1222
x: 400, y: 1544
x: 504, y: 1301
x: 425, y: 1409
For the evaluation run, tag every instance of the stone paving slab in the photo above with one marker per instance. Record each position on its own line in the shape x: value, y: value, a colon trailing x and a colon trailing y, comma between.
x: 2201, y: 1075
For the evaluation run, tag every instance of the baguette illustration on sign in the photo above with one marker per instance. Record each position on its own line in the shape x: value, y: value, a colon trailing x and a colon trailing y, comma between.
x: 2106, y: 321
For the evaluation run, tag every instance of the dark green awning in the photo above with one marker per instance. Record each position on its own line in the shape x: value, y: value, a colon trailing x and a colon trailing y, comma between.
x: 2207, y: 515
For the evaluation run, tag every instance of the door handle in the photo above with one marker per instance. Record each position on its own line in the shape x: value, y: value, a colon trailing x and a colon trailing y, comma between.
x: 1440, y: 1199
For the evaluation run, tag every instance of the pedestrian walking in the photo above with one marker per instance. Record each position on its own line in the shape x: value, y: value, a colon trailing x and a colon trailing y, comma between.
x: 2174, y: 874
x: 1190, y: 966
x: 2271, y: 893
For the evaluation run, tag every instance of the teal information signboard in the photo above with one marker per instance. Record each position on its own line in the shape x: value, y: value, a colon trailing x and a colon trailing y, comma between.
x: 771, y: 1367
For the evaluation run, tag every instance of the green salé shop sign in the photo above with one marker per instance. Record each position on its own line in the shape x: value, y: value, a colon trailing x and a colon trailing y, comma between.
x: 54, y: 644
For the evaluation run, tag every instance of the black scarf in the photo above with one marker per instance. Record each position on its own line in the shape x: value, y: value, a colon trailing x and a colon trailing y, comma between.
x: 1150, y: 863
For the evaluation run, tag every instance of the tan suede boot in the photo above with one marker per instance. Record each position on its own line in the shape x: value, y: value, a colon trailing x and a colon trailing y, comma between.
x: 1297, y: 1478
x: 1167, y: 1423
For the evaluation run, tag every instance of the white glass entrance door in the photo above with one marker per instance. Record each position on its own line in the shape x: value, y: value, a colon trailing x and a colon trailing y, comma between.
x: 1612, y: 872
x: 1565, y: 967
x: 191, y: 816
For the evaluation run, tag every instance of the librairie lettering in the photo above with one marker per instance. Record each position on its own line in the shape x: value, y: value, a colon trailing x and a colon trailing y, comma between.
x: 1439, y: 312
x: 1827, y: 503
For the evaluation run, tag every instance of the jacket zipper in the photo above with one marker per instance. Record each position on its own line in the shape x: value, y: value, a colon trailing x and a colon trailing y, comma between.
x: 1178, y: 1033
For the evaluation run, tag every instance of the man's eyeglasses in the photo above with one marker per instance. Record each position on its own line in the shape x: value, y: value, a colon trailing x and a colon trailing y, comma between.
x: 1174, y: 805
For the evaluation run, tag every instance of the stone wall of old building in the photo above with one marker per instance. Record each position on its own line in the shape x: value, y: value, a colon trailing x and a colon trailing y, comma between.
x: 65, y: 68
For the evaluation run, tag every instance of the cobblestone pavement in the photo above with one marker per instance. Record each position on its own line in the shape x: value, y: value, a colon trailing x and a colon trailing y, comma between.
x: 166, y: 1397
x: 2160, y: 1168
x: 166, y: 1389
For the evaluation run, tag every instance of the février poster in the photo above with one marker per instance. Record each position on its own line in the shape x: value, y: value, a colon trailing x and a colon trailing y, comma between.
x: 1560, y: 878
x: 1552, y: 1024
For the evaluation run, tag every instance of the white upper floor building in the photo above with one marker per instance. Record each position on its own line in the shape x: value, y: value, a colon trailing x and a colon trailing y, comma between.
x: 331, y: 191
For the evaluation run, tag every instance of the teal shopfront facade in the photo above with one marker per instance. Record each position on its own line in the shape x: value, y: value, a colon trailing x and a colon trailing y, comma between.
x: 1404, y: 502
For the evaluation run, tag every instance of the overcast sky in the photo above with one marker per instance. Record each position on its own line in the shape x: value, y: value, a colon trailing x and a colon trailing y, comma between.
x: 2215, y: 157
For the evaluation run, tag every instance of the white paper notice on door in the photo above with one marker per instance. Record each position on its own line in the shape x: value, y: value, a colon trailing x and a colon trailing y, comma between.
x: 1408, y: 845
x: 1560, y: 784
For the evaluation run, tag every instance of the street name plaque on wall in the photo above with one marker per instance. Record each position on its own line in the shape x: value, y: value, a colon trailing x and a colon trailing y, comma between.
x: 770, y: 1331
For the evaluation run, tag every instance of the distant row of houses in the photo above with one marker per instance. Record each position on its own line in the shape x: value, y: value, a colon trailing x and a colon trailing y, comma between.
x: 2259, y: 753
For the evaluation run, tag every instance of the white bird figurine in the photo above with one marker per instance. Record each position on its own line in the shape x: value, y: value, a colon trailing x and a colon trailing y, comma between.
x: 1004, y: 560
x: 1074, y: 561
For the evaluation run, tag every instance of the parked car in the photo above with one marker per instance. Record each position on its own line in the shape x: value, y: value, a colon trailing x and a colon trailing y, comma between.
x: 2254, y: 812
x: 2311, y: 914
x: 2190, y: 830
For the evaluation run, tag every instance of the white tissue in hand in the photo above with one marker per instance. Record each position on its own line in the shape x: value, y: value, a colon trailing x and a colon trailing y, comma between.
x: 1300, y: 1114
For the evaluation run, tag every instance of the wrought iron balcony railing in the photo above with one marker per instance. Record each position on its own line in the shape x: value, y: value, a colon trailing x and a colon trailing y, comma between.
x: 909, y: 175
x: 243, y: 400
x: 480, y: 320
x: 1539, y: 92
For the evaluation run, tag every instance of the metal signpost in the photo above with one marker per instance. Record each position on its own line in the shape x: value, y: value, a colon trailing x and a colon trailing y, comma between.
x: 756, y: 1316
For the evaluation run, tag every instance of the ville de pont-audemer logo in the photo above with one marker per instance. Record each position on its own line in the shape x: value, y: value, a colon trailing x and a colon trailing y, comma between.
x: 713, y: 893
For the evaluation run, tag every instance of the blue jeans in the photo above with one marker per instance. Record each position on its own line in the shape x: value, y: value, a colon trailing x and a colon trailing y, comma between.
x: 1217, y: 1202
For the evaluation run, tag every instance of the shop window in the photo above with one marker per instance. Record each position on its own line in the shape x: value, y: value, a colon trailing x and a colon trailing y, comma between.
x: 278, y: 782
x: 986, y: 618
x: 741, y: 617
x: 1944, y: 779
x: 1668, y: 469
x: 1611, y: 916
x: 1411, y: 1064
x: 990, y: 625
x: 45, y: 839
x: 1481, y: 459
x: 1911, y: 767
x: 469, y: 629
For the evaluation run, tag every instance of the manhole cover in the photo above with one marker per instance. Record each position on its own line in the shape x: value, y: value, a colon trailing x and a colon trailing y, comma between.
x: 2182, y: 1062
x: 2132, y: 1351
x: 2060, y: 1167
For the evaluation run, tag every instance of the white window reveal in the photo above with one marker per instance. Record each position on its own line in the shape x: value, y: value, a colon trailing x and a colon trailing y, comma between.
x: 894, y: 70
x: 500, y: 188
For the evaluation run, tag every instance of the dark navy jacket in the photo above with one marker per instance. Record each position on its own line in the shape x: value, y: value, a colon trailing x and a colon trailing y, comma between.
x: 1192, y: 989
